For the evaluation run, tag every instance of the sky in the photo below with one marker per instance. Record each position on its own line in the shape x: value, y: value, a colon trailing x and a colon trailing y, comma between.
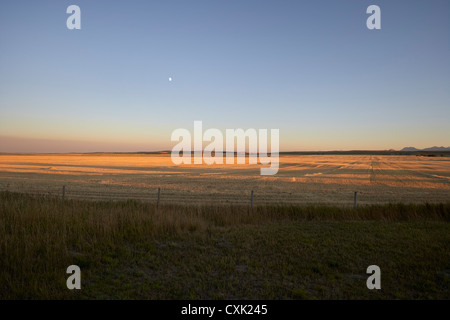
x: 311, y: 69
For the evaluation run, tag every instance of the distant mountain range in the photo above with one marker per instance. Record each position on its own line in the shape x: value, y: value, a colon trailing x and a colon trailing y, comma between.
x: 426, y: 149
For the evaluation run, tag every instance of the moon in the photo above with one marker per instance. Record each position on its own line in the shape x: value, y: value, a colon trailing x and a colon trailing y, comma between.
x: 170, y: 78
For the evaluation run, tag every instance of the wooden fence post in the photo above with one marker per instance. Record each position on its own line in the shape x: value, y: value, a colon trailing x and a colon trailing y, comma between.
x: 64, y: 192
x: 355, y: 205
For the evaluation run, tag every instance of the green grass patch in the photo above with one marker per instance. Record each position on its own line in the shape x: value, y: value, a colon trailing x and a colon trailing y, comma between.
x: 133, y: 250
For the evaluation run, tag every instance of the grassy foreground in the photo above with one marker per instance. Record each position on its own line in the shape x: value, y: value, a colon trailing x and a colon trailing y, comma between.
x: 133, y: 250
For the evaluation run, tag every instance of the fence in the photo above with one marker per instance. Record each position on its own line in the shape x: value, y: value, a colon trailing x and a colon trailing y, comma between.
x: 158, y: 198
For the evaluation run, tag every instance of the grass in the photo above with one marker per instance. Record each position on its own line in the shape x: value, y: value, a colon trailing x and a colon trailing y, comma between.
x: 133, y: 250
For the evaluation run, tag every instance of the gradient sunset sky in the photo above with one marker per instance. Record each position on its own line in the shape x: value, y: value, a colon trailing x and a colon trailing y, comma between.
x: 311, y: 69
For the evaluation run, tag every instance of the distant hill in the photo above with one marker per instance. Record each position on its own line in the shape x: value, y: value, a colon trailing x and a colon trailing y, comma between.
x: 426, y: 149
x: 409, y: 149
x: 437, y: 149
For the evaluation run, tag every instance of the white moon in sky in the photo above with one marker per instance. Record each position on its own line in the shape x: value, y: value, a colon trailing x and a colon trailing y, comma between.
x: 170, y: 78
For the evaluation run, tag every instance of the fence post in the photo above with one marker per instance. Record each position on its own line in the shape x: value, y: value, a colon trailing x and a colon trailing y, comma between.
x: 64, y: 192
x: 159, y: 196
x: 251, y: 200
x: 355, y: 205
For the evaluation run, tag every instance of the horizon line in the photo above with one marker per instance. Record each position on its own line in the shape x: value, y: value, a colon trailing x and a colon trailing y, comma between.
x: 225, y: 152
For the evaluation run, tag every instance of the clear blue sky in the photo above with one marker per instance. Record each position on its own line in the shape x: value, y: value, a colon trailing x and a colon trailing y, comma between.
x: 309, y: 68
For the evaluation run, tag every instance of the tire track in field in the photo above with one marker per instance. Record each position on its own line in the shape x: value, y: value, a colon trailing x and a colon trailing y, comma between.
x: 379, y: 168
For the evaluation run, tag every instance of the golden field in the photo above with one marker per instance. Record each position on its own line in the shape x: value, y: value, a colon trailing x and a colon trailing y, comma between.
x: 301, y: 179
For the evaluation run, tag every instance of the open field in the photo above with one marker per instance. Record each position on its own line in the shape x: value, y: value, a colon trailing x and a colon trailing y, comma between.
x: 133, y: 250
x: 302, y: 240
x: 302, y: 179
